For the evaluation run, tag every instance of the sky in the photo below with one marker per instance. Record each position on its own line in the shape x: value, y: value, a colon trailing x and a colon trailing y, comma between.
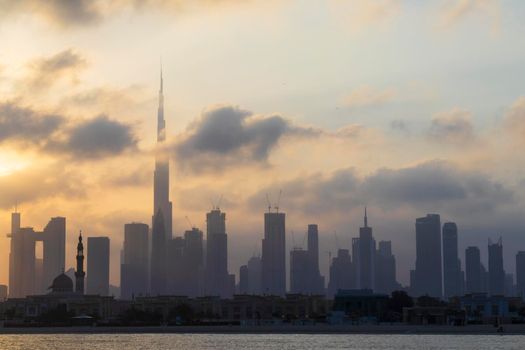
x: 407, y: 107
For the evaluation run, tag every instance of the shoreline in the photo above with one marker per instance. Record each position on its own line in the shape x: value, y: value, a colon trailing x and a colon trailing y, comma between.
x: 511, y: 329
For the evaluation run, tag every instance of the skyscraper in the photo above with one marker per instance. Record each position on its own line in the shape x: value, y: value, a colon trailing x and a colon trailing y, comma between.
x: 299, y: 271
x: 496, y: 271
x: 367, y: 250
x: 385, y: 269
x: 134, y: 265
x: 451, y: 268
x: 158, y: 265
x: 54, y: 247
x: 162, y: 207
x: 193, y: 261
x: 217, y: 277
x: 340, y: 273
x: 274, y: 254
x: 98, y: 252
x: 79, y: 273
x: 473, y: 271
x: 244, y: 281
x: 254, y: 275
x: 15, y: 258
x: 520, y: 274
x: 315, y: 280
x: 428, y: 272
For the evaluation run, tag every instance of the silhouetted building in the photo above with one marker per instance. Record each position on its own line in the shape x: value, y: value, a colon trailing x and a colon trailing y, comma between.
x: 428, y: 272
x: 299, y: 271
x: 274, y: 254
x: 509, y: 288
x: 27, y: 275
x: 162, y: 207
x: 520, y: 274
x: 217, y: 280
x: 385, y: 269
x: 496, y: 271
x: 243, y: 280
x: 98, y: 253
x: 254, y: 275
x: 79, y: 273
x: 340, y: 273
x: 193, y: 262
x: 451, y: 264
x: 473, y: 270
x: 177, y: 274
x: 158, y: 262
x: 134, y: 266
x: 366, y: 257
x: 315, y: 280
x: 3, y: 292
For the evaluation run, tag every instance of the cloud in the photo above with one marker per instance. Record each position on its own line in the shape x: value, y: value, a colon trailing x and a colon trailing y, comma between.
x: 48, y: 70
x: 24, y: 125
x: 359, y: 14
x: 452, y: 127
x: 432, y: 185
x: 96, y: 138
x: 366, y: 96
x: 514, y: 119
x: 39, y: 182
x: 456, y: 11
x: 226, y: 135
x: 86, y: 139
x: 78, y: 13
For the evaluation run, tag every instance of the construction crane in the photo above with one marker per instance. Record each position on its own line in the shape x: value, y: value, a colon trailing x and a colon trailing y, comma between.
x: 278, y: 201
x: 189, y: 222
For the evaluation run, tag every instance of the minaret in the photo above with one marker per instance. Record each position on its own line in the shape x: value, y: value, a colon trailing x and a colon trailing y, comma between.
x: 162, y: 207
x: 366, y: 219
x: 80, y: 274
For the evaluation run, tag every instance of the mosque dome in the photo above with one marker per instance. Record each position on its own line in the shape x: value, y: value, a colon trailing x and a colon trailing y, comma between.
x: 62, y: 284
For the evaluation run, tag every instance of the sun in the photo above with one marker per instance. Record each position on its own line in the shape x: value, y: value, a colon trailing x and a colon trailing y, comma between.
x: 10, y: 163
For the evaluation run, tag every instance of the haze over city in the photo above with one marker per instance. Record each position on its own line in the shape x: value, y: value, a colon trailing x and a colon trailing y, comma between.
x: 336, y: 105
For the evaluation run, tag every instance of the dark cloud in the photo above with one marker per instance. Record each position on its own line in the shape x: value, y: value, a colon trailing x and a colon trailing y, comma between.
x: 228, y: 135
x: 47, y: 70
x: 98, y: 137
x: 453, y: 127
x: 433, y: 185
x: 62, y: 13
x: 25, y: 125
x: 95, y: 138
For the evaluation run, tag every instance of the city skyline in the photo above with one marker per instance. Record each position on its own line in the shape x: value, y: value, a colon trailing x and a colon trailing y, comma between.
x: 405, y: 135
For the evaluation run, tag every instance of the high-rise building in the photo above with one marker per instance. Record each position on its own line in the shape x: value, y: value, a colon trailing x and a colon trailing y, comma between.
x: 451, y: 264
x: 54, y: 248
x: 367, y: 250
x: 217, y: 280
x: 473, y: 283
x: 509, y: 288
x: 428, y: 272
x: 385, y: 269
x: 79, y: 273
x: 158, y: 263
x: 520, y: 274
x: 315, y: 280
x: 25, y: 277
x: 340, y: 273
x: 254, y: 275
x: 162, y: 207
x: 496, y: 271
x: 98, y: 253
x: 274, y: 254
x: 193, y: 262
x: 299, y: 271
x: 176, y: 273
x: 135, y: 265
x: 244, y: 280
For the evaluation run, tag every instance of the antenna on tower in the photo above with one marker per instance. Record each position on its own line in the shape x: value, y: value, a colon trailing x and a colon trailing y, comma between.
x: 219, y: 202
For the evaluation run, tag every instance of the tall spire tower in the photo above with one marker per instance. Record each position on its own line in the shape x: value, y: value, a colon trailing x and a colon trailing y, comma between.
x: 80, y: 274
x: 162, y: 207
